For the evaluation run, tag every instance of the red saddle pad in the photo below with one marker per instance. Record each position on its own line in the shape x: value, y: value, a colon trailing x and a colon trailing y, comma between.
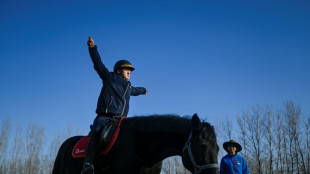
x: 80, y: 147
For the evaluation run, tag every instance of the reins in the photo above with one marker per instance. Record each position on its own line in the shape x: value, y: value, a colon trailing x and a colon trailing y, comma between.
x: 197, y: 168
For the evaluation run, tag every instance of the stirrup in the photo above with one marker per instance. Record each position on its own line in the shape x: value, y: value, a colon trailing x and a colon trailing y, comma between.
x: 88, y: 169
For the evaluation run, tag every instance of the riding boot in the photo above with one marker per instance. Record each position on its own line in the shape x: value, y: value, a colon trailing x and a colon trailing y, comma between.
x: 92, y: 149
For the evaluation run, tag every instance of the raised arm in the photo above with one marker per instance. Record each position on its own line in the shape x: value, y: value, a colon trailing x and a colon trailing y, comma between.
x: 102, y: 71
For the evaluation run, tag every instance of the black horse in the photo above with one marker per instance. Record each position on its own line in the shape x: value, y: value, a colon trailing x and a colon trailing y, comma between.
x: 146, y: 141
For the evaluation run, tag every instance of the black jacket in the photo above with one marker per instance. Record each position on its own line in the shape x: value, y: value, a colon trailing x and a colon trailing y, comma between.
x: 115, y: 93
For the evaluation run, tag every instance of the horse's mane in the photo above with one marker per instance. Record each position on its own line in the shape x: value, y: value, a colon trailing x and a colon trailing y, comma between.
x: 158, y: 123
x: 209, y: 129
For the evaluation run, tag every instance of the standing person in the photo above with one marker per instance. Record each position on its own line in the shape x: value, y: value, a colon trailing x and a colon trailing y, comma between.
x: 113, y: 101
x: 233, y: 163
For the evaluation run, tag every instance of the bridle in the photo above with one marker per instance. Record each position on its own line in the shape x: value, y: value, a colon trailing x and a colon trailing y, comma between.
x: 197, y: 168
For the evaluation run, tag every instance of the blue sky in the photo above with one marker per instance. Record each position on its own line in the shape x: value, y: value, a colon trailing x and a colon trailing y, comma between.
x: 214, y: 58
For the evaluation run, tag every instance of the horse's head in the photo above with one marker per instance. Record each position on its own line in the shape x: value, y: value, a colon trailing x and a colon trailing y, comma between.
x: 200, y: 152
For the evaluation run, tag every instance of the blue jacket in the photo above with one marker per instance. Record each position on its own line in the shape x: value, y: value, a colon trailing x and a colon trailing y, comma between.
x: 115, y: 93
x: 227, y: 165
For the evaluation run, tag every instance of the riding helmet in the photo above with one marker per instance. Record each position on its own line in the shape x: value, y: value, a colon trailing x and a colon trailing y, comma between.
x: 123, y: 64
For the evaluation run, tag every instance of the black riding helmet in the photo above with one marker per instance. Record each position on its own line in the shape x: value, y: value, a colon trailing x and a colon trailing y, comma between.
x: 123, y: 64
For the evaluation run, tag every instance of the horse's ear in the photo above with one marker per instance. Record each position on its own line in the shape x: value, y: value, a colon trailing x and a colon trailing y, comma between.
x: 196, y: 121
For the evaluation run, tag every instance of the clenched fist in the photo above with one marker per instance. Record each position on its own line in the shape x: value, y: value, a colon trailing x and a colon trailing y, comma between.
x: 90, y: 42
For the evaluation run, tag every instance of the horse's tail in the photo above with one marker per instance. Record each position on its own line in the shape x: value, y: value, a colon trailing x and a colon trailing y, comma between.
x: 62, y: 156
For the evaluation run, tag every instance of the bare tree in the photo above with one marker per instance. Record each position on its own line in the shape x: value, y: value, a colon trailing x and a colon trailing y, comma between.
x: 279, y: 150
x: 4, y: 139
x: 255, y: 128
x: 307, y: 149
x: 16, y: 164
x: 224, y: 129
x: 292, y: 115
x: 219, y: 135
x: 24, y: 154
x: 228, y: 128
x: 242, y: 122
x: 34, y: 139
x: 269, y: 115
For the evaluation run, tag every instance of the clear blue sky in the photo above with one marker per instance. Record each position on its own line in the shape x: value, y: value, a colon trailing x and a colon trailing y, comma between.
x: 214, y: 58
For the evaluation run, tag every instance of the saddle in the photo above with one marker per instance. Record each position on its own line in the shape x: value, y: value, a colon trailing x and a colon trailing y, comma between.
x: 80, y: 147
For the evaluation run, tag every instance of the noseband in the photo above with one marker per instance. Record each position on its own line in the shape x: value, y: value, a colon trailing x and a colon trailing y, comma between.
x: 197, y: 168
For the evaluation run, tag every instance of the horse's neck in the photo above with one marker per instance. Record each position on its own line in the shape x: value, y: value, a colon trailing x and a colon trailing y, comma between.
x: 159, y: 136
x: 169, y: 144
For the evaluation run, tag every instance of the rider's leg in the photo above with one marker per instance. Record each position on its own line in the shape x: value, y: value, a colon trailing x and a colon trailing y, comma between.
x: 88, y: 167
x: 104, y: 134
x: 100, y: 124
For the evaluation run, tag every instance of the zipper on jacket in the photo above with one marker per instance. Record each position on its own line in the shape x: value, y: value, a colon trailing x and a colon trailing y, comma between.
x: 110, y: 102
x: 124, y: 96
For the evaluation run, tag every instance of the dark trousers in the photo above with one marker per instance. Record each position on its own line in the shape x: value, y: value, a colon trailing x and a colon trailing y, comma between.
x: 100, y: 128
